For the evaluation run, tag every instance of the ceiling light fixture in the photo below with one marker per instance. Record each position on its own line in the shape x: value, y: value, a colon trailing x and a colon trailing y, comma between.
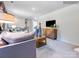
x: 33, y: 8
x: 5, y: 17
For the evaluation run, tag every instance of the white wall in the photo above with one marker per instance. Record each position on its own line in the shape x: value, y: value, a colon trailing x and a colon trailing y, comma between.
x: 20, y: 22
x: 68, y: 23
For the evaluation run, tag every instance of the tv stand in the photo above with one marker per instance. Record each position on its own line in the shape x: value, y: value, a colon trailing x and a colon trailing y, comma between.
x: 50, y: 32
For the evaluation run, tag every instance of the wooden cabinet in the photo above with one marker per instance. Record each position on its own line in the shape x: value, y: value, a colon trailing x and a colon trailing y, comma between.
x: 50, y: 32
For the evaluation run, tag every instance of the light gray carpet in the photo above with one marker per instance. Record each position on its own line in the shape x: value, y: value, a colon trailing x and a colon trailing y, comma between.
x: 56, y: 49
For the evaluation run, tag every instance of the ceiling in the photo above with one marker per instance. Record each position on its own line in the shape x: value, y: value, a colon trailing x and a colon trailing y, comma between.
x: 34, y: 8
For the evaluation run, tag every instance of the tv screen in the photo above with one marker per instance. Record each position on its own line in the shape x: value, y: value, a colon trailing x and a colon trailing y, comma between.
x: 50, y: 23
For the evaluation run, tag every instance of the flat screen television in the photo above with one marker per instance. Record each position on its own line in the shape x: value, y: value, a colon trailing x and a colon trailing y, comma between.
x: 50, y: 23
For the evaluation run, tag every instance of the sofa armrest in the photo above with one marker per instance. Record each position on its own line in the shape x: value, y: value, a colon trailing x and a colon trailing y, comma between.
x: 25, y: 49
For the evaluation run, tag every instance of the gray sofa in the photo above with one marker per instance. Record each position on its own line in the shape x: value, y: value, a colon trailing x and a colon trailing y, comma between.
x: 25, y: 49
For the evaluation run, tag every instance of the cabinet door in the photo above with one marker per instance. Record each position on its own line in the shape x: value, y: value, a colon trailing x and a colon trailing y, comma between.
x: 50, y: 33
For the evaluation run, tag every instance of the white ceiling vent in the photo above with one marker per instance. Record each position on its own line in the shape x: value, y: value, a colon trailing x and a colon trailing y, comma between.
x: 70, y: 2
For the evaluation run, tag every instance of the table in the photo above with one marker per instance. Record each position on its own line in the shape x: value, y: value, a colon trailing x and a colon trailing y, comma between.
x: 40, y: 41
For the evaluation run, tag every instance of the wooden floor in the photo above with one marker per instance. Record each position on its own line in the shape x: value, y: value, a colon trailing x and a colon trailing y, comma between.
x: 56, y: 49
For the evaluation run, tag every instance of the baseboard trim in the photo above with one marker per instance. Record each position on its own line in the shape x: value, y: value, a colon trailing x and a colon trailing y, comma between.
x: 70, y: 42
